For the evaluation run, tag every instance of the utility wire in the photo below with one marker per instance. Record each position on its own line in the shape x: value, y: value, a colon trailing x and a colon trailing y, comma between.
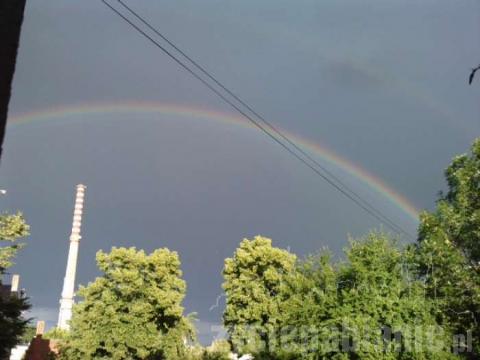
x: 265, y: 121
x: 358, y: 200
x: 373, y: 212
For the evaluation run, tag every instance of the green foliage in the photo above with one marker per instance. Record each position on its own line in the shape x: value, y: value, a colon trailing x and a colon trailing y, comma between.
x: 382, y: 302
x: 28, y: 335
x: 458, y: 212
x: 371, y: 306
x: 253, y: 279
x: 449, y: 248
x: 339, y: 312
x: 133, y: 311
x: 12, y: 325
x: 12, y: 228
x: 309, y: 305
x: 219, y: 350
x: 56, y: 334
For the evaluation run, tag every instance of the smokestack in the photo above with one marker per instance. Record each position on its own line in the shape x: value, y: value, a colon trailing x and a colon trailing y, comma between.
x: 67, y: 300
x: 40, y: 328
x: 15, y: 283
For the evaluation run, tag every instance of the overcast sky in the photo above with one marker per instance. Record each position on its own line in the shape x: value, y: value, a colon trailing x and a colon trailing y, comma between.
x: 380, y: 83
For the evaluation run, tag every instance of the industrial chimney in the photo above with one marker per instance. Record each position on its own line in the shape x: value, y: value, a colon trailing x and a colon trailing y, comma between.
x: 67, y: 300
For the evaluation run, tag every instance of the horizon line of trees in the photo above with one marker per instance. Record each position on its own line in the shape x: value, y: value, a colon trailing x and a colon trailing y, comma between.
x: 383, y: 301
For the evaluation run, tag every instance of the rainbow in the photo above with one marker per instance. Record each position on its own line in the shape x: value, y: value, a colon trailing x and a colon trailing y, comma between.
x: 319, y: 150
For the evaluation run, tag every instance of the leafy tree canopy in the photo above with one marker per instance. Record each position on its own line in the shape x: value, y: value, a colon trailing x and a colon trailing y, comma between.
x: 370, y: 306
x: 133, y: 311
x: 12, y: 324
x: 12, y: 228
x: 449, y: 248
x: 457, y: 216
x: 253, y: 278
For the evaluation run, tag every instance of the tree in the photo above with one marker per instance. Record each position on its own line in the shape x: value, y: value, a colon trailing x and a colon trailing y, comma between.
x: 12, y: 324
x: 218, y: 350
x: 133, y: 311
x: 309, y: 301
x: 253, y: 278
x: 12, y: 228
x: 449, y: 249
x: 56, y: 333
x: 28, y: 335
x: 458, y: 212
x: 380, y: 292
x: 369, y: 307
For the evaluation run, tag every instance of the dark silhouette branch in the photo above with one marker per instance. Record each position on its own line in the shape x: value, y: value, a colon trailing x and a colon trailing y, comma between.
x: 472, y: 74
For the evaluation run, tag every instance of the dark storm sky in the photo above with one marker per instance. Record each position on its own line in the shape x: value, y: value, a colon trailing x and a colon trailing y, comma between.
x: 381, y: 83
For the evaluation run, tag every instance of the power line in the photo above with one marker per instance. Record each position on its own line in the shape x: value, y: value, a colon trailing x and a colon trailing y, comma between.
x: 265, y: 121
x: 357, y: 199
x: 348, y: 193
